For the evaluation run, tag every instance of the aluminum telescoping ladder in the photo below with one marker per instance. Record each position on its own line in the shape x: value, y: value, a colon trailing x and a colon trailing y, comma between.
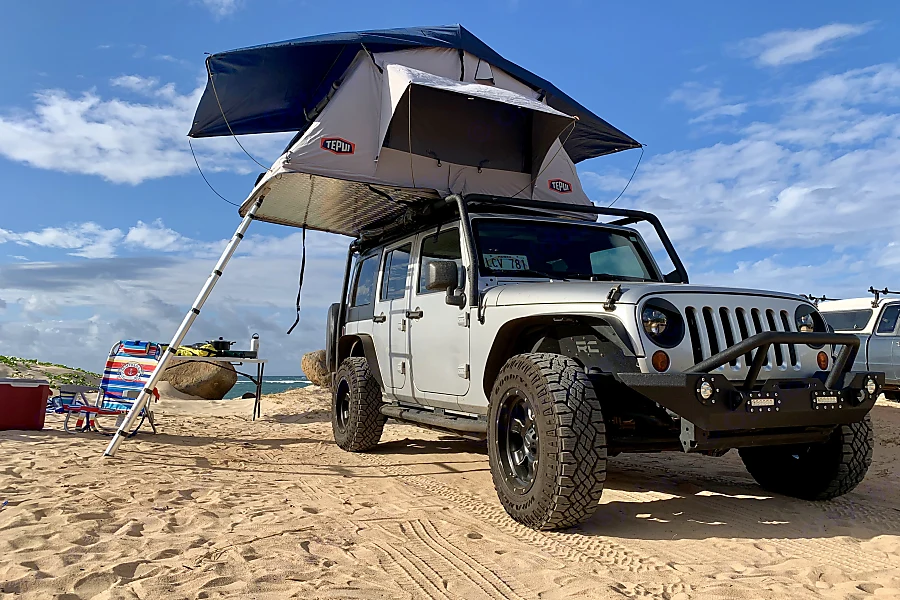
x: 144, y: 397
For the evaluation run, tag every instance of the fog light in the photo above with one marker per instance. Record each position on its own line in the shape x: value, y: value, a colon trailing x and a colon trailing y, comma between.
x: 871, y: 386
x: 660, y: 361
x: 822, y: 361
x: 705, y: 390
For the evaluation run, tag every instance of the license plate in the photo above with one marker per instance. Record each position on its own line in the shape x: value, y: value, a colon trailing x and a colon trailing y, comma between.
x: 762, y: 402
x: 826, y: 399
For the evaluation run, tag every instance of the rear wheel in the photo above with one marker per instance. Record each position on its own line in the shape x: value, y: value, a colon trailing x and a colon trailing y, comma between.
x: 815, y: 471
x: 546, y: 441
x: 356, y: 417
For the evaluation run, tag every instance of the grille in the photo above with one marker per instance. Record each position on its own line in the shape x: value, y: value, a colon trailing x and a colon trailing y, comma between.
x: 712, y: 330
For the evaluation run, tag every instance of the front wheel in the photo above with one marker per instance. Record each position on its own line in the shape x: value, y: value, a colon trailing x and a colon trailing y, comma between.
x: 356, y: 417
x: 815, y: 471
x: 546, y: 441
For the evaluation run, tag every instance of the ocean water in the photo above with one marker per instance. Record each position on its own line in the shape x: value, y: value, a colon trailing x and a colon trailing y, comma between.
x: 272, y: 384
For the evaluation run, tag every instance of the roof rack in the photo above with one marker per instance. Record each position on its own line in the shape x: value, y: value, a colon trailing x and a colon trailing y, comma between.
x: 878, y: 294
x: 816, y: 299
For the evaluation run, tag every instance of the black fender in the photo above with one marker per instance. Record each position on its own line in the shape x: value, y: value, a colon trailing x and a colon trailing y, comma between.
x: 599, y: 342
x: 360, y: 344
x: 331, y: 363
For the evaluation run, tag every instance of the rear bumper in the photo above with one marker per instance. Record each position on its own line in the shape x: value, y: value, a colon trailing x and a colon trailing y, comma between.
x: 757, y: 411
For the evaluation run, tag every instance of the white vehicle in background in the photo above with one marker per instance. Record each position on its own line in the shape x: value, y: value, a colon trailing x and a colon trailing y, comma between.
x: 877, y: 323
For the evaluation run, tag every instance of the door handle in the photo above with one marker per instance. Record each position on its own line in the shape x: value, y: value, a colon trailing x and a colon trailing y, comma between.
x: 379, y: 319
x: 414, y: 314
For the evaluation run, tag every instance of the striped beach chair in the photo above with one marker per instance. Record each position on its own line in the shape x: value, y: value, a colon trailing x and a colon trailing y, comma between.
x: 130, y: 365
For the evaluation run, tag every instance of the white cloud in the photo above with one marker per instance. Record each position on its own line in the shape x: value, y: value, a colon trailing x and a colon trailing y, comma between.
x: 815, y: 185
x: 120, y: 140
x: 87, y: 240
x: 54, y: 306
x: 155, y: 236
x: 790, y: 46
x: 707, y: 101
x: 222, y: 8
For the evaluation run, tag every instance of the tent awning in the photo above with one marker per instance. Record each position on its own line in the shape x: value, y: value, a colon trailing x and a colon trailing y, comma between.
x: 274, y: 87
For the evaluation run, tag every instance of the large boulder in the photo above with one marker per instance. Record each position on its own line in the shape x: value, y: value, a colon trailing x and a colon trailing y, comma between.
x: 204, y: 379
x: 313, y: 365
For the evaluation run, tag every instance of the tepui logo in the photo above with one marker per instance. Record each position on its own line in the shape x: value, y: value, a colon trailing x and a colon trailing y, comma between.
x: 338, y: 145
x: 560, y: 186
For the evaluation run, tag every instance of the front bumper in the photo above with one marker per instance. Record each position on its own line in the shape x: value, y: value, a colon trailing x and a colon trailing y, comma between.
x: 758, y: 412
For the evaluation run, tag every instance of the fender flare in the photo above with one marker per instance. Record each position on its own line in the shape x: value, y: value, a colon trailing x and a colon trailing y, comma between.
x: 360, y: 344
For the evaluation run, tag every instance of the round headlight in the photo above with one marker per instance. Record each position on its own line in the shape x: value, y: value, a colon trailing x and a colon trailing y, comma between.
x: 806, y: 324
x: 662, y: 323
x: 808, y: 320
x: 654, y: 321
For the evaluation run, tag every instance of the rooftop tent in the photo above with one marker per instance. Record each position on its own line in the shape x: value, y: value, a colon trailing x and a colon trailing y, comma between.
x: 385, y: 118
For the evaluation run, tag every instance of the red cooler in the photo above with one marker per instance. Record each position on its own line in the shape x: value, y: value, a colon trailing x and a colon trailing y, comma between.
x: 23, y: 403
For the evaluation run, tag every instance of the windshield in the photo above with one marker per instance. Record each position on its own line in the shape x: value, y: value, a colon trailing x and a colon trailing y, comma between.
x: 560, y: 251
x: 848, y: 320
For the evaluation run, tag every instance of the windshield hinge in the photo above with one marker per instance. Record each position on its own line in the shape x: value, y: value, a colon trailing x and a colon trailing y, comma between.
x: 613, y: 297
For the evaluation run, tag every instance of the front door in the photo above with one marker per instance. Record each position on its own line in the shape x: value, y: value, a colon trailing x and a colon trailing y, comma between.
x: 439, y: 332
x: 884, y: 345
x: 390, y: 326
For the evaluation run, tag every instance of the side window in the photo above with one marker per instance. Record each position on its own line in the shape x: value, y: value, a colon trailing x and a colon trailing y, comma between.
x: 396, y: 267
x: 440, y: 246
x: 888, y: 321
x: 363, y: 291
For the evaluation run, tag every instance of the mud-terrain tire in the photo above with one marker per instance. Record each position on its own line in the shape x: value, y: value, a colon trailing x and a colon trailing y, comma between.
x: 815, y: 471
x: 565, y: 434
x: 356, y: 417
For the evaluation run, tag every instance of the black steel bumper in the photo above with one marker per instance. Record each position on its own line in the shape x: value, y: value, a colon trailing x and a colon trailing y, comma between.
x: 744, y: 409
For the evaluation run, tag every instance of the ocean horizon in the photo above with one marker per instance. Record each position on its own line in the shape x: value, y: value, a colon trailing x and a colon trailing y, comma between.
x: 272, y: 384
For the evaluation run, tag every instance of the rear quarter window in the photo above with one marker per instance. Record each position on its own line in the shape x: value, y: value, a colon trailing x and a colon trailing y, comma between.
x: 848, y: 320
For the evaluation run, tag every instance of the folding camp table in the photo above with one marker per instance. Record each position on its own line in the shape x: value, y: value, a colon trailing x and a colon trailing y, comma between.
x: 260, y: 369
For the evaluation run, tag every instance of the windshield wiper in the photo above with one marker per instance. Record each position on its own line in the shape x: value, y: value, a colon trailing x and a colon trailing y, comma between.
x: 530, y: 272
x: 606, y: 277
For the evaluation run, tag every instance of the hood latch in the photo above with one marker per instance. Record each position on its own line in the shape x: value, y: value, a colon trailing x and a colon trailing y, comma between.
x: 613, y: 297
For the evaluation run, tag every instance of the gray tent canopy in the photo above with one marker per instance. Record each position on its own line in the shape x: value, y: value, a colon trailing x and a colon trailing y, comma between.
x: 385, y: 118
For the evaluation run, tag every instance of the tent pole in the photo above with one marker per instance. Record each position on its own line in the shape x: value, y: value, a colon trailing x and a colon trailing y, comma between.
x: 144, y: 397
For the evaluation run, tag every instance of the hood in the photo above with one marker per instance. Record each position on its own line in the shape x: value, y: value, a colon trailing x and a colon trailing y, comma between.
x: 577, y: 292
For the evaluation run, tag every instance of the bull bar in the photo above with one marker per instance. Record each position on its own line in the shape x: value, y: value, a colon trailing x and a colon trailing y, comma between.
x: 758, y: 410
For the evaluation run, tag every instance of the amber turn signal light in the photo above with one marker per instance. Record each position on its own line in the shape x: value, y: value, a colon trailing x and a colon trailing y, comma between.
x: 660, y: 361
x: 822, y: 361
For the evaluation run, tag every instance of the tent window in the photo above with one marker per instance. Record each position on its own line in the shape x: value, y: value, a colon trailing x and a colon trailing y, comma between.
x: 396, y: 267
x: 483, y: 72
x: 463, y: 130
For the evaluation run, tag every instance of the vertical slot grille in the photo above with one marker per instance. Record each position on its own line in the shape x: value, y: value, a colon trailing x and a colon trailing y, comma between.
x: 792, y: 350
x: 717, y: 328
x: 725, y: 317
x: 741, y: 315
x: 694, y: 331
x: 779, y: 354
x: 711, y: 336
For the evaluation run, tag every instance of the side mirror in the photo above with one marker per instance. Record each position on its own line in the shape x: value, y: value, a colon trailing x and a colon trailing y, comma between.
x: 444, y: 275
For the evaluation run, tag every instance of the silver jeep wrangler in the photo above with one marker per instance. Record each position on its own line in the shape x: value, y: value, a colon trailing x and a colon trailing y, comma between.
x: 560, y: 340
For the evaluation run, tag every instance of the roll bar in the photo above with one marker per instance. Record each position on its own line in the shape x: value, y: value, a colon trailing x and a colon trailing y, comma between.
x: 628, y: 217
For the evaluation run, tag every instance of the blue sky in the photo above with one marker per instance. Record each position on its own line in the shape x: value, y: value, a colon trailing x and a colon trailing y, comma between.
x: 772, y: 132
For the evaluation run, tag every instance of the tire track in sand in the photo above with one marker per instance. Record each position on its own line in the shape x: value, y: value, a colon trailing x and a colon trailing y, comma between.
x: 569, y: 546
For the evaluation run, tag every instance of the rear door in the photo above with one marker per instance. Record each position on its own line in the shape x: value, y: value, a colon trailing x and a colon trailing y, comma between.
x: 439, y: 332
x: 389, y: 327
x: 884, y: 345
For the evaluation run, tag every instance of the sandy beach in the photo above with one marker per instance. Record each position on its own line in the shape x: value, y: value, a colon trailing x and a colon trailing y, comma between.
x: 218, y: 506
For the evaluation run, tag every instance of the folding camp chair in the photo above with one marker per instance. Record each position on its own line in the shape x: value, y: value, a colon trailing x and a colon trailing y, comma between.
x: 129, y: 366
